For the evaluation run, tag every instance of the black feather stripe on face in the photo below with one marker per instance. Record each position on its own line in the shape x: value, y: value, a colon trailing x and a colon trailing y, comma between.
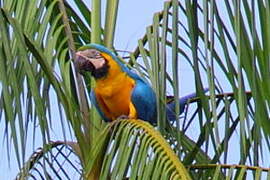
x: 101, y: 72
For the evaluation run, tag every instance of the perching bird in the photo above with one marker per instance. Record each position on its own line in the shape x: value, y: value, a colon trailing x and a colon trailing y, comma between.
x: 119, y: 92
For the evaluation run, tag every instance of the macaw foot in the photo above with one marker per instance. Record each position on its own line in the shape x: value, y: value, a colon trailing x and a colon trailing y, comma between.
x: 123, y: 116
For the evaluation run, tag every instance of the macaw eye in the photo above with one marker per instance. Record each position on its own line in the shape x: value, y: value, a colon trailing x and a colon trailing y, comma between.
x: 97, y: 55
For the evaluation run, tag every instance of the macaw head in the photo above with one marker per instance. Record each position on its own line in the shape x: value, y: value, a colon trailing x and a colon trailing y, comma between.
x: 90, y: 59
x: 96, y: 59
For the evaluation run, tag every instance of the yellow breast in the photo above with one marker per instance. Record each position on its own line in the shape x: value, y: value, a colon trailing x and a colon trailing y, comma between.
x: 114, y: 91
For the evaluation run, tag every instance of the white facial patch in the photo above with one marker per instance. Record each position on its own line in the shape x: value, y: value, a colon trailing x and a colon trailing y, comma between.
x: 98, y: 63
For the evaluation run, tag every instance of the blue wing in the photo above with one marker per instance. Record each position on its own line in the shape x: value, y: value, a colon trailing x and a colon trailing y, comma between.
x: 95, y: 103
x: 144, y: 99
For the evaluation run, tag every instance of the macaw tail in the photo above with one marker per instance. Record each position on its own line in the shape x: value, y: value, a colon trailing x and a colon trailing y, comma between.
x: 182, y: 103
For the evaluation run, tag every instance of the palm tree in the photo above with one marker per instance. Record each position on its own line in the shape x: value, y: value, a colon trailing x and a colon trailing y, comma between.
x: 222, y: 135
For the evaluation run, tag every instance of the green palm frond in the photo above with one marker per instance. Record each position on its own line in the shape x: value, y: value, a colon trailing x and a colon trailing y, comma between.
x: 56, y: 160
x: 133, y: 149
x: 19, y: 69
x: 33, y: 47
x: 232, y: 171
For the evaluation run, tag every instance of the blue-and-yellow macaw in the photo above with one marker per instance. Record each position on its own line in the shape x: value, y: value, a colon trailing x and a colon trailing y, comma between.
x: 119, y: 91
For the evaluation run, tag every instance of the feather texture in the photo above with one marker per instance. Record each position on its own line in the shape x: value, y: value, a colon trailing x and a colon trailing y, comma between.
x: 144, y: 100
